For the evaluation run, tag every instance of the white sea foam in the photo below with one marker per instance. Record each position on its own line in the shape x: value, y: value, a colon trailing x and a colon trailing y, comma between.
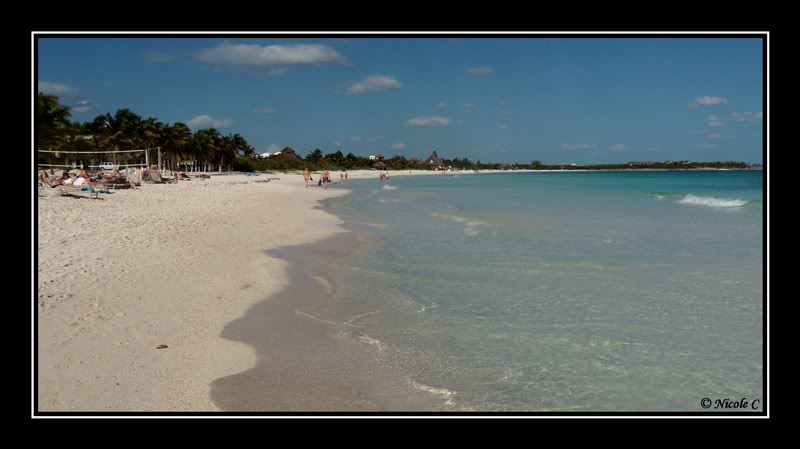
x: 443, y: 393
x: 459, y: 219
x: 388, y: 187
x: 469, y: 224
x: 366, y: 339
x: 711, y: 202
x: 449, y: 217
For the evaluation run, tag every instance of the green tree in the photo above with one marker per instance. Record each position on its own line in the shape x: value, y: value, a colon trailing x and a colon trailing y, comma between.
x: 174, y: 141
x: 52, y: 119
x: 314, y: 156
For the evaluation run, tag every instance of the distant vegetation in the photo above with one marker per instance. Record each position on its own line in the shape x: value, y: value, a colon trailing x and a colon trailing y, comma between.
x: 208, y: 149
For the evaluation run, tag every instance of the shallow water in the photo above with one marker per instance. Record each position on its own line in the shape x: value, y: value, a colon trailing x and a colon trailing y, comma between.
x: 558, y: 291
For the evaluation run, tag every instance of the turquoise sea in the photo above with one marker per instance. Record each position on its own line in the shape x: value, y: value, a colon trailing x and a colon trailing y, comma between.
x: 584, y: 291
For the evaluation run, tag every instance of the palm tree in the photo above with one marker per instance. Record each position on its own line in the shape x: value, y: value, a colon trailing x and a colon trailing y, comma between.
x: 175, y: 141
x: 52, y: 119
x: 206, y: 144
x: 118, y: 132
x: 240, y: 143
x: 148, y: 132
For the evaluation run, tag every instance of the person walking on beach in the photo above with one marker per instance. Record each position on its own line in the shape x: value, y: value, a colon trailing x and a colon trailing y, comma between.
x: 341, y: 177
x: 326, y: 178
x: 306, y: 176
x: 345, y: 176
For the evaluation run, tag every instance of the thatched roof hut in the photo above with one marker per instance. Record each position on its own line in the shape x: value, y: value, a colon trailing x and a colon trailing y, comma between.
x: 289, y: 152
x: 379, y: 165
x: 433, y: 159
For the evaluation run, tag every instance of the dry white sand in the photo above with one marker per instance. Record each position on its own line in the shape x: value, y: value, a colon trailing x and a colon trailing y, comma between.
x: 160, y: 265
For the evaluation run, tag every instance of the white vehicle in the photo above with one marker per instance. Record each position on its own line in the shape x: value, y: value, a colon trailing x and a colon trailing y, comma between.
x: 106, y: 165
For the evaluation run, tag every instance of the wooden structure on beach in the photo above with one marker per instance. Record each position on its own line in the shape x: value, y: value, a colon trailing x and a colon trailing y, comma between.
x: 434, y: 161
x: 290, y: 153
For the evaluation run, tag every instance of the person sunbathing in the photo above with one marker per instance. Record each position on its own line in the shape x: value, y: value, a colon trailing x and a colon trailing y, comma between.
x: 113, y: 178
x: 45, y: 178
x: 83, y: 178
x: 70, y: 180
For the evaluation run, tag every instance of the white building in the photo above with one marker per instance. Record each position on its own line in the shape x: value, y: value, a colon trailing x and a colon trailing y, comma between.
x: 372, y: 157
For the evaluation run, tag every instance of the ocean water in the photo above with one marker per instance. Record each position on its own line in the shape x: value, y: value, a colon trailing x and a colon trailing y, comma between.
x: 624, y: 291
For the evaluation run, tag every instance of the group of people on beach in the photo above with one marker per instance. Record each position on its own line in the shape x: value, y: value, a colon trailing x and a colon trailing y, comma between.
x: 83, y: 178
x: 324, y: 179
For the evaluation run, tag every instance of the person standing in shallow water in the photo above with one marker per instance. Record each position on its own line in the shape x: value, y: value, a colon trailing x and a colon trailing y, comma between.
x: 306, y: 176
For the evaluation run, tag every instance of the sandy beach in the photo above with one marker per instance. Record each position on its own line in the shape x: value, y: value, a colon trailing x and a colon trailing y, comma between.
x: 159, y: 265
x: 163, y: 265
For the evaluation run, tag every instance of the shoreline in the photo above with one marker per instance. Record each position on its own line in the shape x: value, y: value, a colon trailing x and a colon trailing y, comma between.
x: 308, y: 360
x: 160, y: 265
x: 227, y: 274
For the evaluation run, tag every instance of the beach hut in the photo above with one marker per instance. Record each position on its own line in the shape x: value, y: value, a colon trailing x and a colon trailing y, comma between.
x: 379, y: 165
x: 434, y: 161
x: 290, y: 153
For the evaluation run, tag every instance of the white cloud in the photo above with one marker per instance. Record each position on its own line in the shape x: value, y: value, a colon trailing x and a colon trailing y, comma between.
x: 480, y: 70
x: 58, y: 89
x: 714, y: 121
x: 617, y: 148
x: 83, y: 106
x: 428, y: 121
x: 374, y: 138
x: 708, y: 101
x: 746, y: 117
x: 264, y: 110
x: 355, y: 138
x: 207, y: 121
x: 266, y: 55
x: 156, y: 57
x: 703, y: 146
x: 442, y: 105
x: 373, y: 83
x: 399, y: 146
x: 578, y: 146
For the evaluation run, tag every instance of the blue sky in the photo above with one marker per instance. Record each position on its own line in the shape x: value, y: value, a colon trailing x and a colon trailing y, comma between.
x: 582, y: 100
